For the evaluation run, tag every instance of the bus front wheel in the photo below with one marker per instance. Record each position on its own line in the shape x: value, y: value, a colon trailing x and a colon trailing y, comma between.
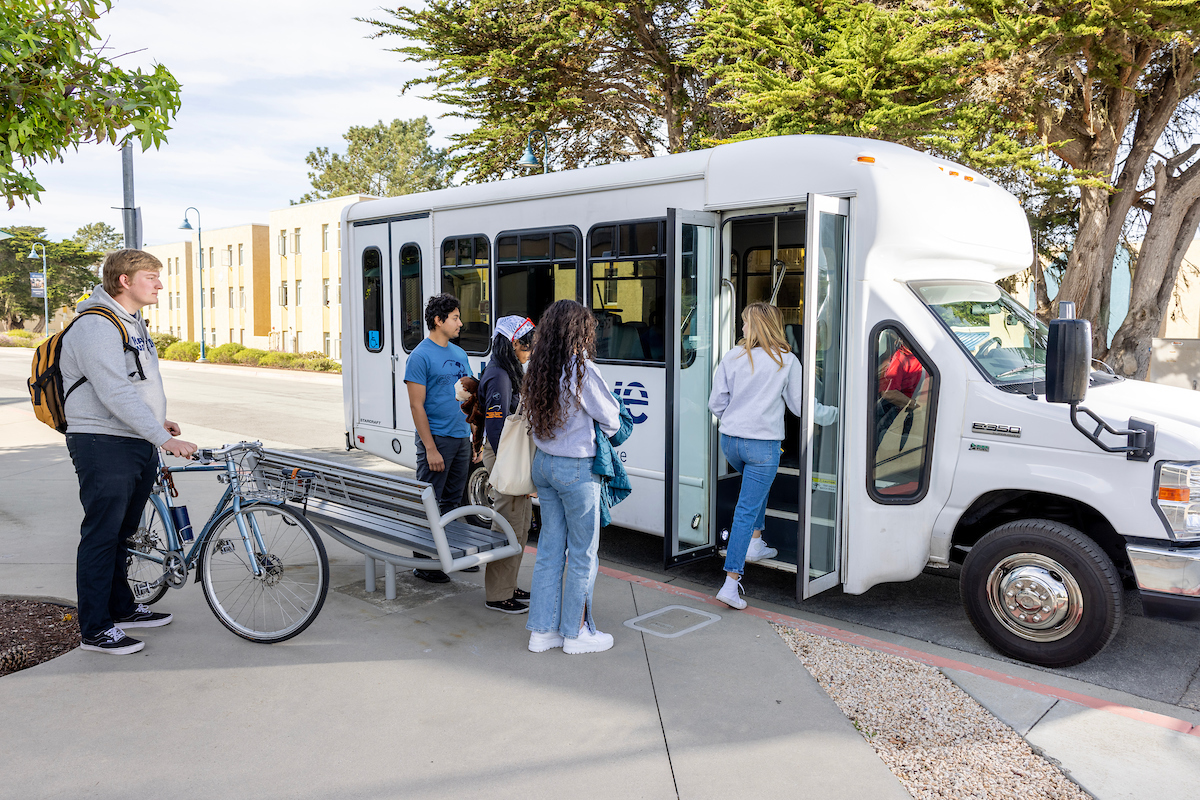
x: 478, y: 493
x: 1042, y: 592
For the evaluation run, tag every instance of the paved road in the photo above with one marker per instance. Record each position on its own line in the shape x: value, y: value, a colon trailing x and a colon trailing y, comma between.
x: 1155, y: 659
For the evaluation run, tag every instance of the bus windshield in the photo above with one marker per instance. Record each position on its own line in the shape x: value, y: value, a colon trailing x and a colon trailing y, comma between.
x: 1003, y: 337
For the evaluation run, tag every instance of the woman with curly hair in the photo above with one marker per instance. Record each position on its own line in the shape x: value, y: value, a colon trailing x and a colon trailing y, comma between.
x: 565, y: 396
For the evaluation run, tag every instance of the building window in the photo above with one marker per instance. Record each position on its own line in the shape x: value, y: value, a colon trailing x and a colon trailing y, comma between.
x: 170, y: 302
x: 412, y: 302
x: 903, y: 406
x: 325, y: 291
x: 325, y: 348
x: 241, y: 336
x: 231, y: 304
x: 372, y: 272
x: 297, y: 294
x: 241, y: 255
x: 535, y: 269
x: 210, y: 257
x: 212, y: 297
x: 283, y: 298
x: 296, y: 241
x: 241, y: 297
x: 627, y: 289
x: 231, y: 334
x: 465, y: 275
x: 227, y: 256
x: 212, y: 338
x: 281, y: 247
x: 325, y: 238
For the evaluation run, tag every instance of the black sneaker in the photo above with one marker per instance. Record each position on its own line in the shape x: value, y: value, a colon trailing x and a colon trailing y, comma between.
x: 520, y: 594
x: 143, y: 617
x: 472, y: 569
x: 509, y: 606
x: 113, y: 641
x: 432, y: 575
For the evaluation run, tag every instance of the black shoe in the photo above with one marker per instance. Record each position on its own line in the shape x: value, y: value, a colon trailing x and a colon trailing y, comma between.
x: 432, y: 575
x: 143, y: 617
x: 471, y: 569
x: 520, y: 594
x: 113, y: 641
x: 507, y: 606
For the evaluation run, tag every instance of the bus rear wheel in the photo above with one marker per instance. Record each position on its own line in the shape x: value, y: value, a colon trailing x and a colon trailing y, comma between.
x: 1042, y: 592
x: 478, y: 493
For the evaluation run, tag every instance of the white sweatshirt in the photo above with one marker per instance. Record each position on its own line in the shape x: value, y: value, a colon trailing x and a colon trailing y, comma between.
x: 749, y: 401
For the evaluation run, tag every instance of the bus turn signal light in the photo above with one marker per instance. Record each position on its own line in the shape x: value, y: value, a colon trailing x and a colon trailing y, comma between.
x: 1174, y: 494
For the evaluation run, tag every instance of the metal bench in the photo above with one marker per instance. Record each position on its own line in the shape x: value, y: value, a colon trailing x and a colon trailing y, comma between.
x: 346, y: 502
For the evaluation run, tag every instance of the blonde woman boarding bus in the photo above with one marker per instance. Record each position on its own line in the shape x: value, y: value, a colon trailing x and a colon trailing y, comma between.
x: 753, y: 383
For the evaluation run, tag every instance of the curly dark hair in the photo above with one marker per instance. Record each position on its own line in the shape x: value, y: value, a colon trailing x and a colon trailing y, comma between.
x: 566, y: 332
x: 440, y: 306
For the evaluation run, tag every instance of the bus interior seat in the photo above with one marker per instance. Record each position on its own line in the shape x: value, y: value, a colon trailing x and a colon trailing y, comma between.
x: 624, y: 343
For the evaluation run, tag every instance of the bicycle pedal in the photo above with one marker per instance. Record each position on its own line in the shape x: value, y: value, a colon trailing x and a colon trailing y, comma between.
x: 143, y: 588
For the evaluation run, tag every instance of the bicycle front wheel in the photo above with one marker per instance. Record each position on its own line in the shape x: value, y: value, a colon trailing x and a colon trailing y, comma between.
x: 288, y: 593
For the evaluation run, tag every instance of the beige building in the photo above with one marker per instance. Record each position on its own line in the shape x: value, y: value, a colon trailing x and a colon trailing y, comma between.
x: 306, y: 276
x: 174, y: 313
x: 1182, y: 317
x: 234, y: 286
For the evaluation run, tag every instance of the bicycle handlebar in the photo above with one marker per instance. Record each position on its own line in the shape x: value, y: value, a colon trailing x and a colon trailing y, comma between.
x: 210, y: 454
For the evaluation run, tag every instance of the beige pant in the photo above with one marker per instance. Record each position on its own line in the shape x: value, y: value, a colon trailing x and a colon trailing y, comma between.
x: 500, y: 577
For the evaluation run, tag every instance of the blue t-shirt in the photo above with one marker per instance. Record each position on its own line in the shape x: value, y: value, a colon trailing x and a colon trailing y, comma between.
x: 438, y: 368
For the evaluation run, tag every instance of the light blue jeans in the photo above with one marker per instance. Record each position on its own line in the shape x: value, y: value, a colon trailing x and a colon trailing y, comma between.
x: 564, y: 574
x: 758, y: 461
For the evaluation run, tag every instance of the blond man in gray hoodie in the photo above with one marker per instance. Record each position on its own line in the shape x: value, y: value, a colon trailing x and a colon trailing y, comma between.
x: 116, y: 421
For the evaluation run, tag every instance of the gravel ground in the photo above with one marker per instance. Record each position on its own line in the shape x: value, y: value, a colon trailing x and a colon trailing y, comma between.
x: 32, y: 632
x: 931, y: 734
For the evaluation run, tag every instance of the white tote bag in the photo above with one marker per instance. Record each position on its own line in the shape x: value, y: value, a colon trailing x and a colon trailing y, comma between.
x: 513, y: 472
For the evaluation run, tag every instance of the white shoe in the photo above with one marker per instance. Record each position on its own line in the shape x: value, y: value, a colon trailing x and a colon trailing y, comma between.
x: 588, y: 642
x: 759, y: 551
x: 541, y: 642
x: 731, y: 596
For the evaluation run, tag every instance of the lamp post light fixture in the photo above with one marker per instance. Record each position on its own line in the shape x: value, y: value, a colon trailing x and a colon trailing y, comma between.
x: 45, y: 281
x: 530, y: 160
x: 187, y: 226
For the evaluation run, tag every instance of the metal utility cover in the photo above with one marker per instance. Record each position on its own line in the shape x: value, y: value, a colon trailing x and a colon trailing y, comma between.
x: 672, y: 621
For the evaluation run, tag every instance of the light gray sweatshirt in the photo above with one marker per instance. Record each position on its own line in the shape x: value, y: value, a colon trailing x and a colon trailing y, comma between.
x: 749, y: 400
x: 113, y: 400
x: 577, y: 437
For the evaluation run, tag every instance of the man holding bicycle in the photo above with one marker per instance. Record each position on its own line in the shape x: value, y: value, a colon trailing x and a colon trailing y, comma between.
x: 116, y: 420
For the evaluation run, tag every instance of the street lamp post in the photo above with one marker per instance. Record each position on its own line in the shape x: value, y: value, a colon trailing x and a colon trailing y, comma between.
x: 45, y: 281
x: 529, y: 159
x: 186, y: 226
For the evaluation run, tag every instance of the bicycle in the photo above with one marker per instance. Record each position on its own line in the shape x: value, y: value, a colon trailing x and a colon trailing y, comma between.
x: 262, y: 566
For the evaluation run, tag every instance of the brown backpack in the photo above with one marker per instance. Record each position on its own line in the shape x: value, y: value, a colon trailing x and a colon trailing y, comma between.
x: 46, y: 383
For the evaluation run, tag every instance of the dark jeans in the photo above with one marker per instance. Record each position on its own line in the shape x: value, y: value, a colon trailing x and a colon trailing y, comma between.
x: 448, y: 485
x: 116, y: 475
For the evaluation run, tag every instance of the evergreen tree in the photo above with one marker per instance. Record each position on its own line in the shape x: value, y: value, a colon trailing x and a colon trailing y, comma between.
x: 69, y: 275
x: 383, y: 161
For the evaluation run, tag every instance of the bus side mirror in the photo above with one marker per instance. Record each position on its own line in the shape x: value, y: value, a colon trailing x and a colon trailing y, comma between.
x: 1068, y: 357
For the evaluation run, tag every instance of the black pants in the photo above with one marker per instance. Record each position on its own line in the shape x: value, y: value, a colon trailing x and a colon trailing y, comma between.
x: 448, y: 485
x: 116, y: 475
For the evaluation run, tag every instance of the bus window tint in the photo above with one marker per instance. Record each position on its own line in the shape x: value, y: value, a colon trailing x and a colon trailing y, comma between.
x: 412, y: 315
x: 528, y: 278
x: 627, y: 292
x: 372, y: 270
x: 465, y: 275
x: 905, y: 389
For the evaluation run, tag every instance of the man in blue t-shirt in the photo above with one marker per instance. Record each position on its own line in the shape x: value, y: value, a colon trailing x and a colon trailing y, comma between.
x: 443, y: 434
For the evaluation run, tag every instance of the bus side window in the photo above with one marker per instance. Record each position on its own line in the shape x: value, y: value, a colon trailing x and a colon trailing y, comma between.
x: 904, y: 403
x: 626, y: 289
x: 535, y: 268
x: 412, y: 317
x: 465, y: 275
x: 372, y: 272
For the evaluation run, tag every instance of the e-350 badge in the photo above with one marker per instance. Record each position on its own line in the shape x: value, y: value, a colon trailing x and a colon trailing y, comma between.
x: 992, y: 429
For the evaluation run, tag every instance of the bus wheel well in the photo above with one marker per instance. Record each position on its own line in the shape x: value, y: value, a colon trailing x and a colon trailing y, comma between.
x: 993, y: 509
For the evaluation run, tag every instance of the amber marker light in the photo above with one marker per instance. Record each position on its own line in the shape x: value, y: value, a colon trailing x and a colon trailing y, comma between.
x: 867, y: 159
x: 1174, y: 494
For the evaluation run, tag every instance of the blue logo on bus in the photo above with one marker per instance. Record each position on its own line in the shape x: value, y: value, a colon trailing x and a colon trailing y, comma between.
x: 634, y: 394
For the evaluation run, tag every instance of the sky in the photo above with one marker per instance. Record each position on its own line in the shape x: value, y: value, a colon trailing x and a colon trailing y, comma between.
x: 264, y: 83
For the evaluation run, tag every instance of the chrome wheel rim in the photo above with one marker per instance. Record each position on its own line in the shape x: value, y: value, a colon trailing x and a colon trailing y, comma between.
x: 477, y: 488
x: 1034, y: 597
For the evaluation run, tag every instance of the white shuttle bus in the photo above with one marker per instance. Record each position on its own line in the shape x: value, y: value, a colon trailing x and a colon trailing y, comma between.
x: 883, y: 262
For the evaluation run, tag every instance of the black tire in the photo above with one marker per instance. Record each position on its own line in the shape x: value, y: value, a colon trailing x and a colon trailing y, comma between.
x: 151, y: 537
x: 477, y: 493
x: 1042, y: 592
x: 288, y: 597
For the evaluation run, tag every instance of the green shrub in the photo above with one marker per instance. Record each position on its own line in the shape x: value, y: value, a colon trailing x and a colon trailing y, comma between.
x: 182, y: 351
x: 162, y: 341
x: 249, y: 356
x: 14, y: 341
x: 285, y: 360
x: 311, y: 355
x: 320, y: 364
x: 21, y: 333
x: 225, y: 353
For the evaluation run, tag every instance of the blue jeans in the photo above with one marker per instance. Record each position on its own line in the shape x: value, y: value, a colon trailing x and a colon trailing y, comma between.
x: 758, y: 461
x: 564, y: 574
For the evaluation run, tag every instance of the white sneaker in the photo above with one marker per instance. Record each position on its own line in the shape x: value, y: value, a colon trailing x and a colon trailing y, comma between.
x: 588, y: 642
x: 731, y: 596
x: 541, y: 642
x: 759, y: 551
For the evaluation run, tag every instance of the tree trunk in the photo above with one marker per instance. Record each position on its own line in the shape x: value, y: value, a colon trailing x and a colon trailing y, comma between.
x: 1168, y: 234
x: 1089, y: 264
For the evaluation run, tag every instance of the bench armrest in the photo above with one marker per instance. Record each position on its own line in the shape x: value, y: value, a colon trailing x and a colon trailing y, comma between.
x: 481, y: 511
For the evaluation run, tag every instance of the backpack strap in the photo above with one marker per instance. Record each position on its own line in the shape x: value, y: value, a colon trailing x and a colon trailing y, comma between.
x: 111, y: 316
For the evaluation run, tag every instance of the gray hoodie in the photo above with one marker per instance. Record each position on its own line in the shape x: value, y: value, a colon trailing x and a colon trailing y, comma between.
x: 114, y: 400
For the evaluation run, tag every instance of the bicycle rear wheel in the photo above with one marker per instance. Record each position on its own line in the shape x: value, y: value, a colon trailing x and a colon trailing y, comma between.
x: 287, y: 596
x: 151, y: 537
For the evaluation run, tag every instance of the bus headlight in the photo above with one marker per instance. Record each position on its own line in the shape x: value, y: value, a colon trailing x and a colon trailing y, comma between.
x: 1178, y: 496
